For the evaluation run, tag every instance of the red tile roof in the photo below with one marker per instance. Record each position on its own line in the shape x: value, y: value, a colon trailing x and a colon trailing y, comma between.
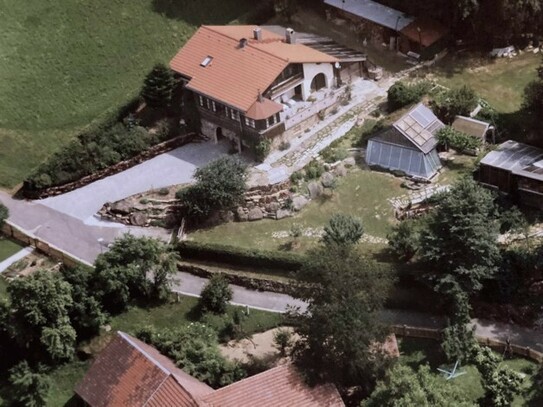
x: 129, y: 372
x: 263, y: 109
x: 281, y: 386
x: 236, y: 75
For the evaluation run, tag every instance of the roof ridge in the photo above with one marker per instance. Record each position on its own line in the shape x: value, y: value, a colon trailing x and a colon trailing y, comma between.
x: 129, y: 339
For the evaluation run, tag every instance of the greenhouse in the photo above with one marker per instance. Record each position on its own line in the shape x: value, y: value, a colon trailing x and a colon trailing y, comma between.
x: 409, y: 146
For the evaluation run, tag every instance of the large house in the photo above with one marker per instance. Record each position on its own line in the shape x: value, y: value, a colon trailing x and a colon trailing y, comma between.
x: 252, y: 83
x: 409, y: 145
x: 515, y: 169
x: 130, y: 373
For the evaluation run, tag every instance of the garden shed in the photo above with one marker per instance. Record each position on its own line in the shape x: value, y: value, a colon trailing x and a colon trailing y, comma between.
x: 473, y: 127
x: 409, y: 145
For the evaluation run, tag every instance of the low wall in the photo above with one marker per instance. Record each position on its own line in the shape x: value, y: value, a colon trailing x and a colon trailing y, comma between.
x: 48, y: 249
x: 151, y: 152
x: 499, y: 346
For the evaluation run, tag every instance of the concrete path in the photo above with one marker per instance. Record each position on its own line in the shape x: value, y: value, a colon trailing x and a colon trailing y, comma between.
x: 15, y: 258
x: 174, y: 167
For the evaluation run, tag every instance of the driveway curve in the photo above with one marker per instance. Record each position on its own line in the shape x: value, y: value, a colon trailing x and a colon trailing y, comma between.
x: 174, y: 167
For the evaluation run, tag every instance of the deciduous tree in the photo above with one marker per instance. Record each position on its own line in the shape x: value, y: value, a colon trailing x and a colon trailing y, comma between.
x: 216, y: 295
x: 344, y: 291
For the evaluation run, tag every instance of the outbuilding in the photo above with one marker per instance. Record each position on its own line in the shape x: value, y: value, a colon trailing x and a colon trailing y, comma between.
x: 409, y: 145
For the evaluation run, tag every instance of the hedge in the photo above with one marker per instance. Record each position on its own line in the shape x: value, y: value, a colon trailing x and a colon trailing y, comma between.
x: 235, y: 256
x: 113, y: 139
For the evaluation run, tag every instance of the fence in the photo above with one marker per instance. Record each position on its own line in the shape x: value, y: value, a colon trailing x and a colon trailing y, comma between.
x: 12, y: 231
x: 499, y: 346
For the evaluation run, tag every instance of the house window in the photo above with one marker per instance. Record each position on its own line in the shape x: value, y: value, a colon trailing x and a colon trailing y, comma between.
x: 213, y: 106
x: 250, y: 122
x: 271, y: 121
x: 234, y: 115
x: 201, y: 100
x: 208, y: 104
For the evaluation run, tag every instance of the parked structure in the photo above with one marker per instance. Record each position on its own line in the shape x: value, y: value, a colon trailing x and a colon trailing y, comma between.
x: 409, y: 145
x: 381, y: 24
x: 516, y: 169
x: 130, y: 373
x: 249, y: 82
x: 475, y: 128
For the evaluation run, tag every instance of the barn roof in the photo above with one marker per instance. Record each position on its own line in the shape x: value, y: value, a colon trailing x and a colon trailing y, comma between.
x: 374, y: 12
x: 518, y: 158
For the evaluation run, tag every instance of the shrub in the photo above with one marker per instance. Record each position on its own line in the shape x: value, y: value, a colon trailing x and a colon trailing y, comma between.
x: 448, y: 104
x: 285, y: 145
x: 219, y: 185
x: 404, y: 239
x: 258, y: 259
x: 449, y: 137
x: 401, y: 94
x: 334, y: 154
x: 216, y: 295
x: 313, y: 170
x: 4, y: 214
x: 158, y: 86
x: 282, y: 339
x: 27, y: 387
x: 342, y: 230
x: 163, y: 191
x: 296, y: 176
x: 262, y: 149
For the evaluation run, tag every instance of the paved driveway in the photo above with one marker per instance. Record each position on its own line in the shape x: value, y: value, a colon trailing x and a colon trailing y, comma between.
x: 174, y: 167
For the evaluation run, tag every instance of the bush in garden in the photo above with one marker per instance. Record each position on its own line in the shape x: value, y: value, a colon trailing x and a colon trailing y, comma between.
x: 404, y: 239
x: 451, y: 103
x: 216, y: 295
x: 4, y: 214
x: 342, y: 231
x: 449, y: 137
x: 262, y: 149
x: 402, y: 94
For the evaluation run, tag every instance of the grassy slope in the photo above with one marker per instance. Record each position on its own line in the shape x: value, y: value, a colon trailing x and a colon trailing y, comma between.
x: 416, y: 352
x: 8, y: 248
x: 66, y: 62
x: 501, y: 82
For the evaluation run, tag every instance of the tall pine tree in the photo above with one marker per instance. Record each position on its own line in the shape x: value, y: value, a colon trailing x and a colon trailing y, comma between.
x: 158, y: 86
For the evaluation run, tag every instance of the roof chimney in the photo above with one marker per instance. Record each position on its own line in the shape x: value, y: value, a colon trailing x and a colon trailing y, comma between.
x: 243, y: 42
x: 257, y: 34
x: 260, y: 97
x: 290, y: 36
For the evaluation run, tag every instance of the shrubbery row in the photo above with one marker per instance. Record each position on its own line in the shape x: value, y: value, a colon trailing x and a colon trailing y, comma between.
x: 101, y: 145
x: 240, y: 257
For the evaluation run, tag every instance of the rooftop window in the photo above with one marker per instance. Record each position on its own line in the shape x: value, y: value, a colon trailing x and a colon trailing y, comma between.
x: 206, y: 61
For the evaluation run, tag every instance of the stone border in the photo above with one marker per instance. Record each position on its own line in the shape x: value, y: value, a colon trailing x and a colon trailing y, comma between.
x: 151, y: 152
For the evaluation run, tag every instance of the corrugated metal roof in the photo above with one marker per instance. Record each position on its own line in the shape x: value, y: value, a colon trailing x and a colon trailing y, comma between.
x: 473, y: 127
x: 375, y: 12
x: 520, y: 159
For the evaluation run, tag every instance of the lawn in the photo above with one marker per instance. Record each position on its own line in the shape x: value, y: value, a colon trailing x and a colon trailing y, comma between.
x: 362, y: 193
x: 65, y: 63
x: 8, y: 248
x: 3, y: 288
x: 500, y: 81
x: 416, y: 352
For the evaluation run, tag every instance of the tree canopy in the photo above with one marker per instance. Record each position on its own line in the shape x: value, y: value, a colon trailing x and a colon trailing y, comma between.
x: 158, y: 86
x: 459, y: 241
x: 344, y: 291
x: 219, y: 185
x: 28, y: 388
x: 216, y: 295
x: 404, y: 387
x: 342, y: 231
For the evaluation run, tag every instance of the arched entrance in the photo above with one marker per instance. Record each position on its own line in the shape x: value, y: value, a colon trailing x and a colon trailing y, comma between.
x: 318, y: 82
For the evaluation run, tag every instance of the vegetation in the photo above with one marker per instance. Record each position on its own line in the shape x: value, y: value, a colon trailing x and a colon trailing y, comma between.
x: 97, y: 60
x: 194, y: 349
x: 344, y: 291
x: 133, y: 268
x: 404, y: 239
x: 7, y: 248
x: 402, y: 386
x: 29, y: 388
x: 282, y: 339
x: 4, y: 214
x: 216, y: 295
x: 459, y: 241
x: 219, y: 185
x: 342, y: 231
x: 158, y: 86
x: 533, y: 101
x: 449, y: 137
x: 402, y: 94
x: 38, y: 319
x: 450, y: 103
x: 262, y: 149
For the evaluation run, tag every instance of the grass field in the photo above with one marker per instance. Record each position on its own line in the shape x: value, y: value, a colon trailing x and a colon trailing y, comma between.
x: 416, y: 352
x: 66, y: 62
x: 500, y: 81
x: 8, y: 248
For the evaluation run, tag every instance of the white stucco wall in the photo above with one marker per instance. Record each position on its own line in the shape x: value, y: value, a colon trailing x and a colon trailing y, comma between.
x: 310, y: 70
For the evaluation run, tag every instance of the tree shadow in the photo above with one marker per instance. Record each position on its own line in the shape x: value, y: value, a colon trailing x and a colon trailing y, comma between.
x: 198, y: 12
